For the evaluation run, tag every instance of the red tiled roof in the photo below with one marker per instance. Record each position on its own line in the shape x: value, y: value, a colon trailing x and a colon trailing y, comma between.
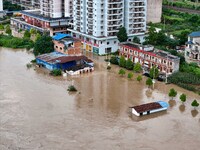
x: 147, y: 107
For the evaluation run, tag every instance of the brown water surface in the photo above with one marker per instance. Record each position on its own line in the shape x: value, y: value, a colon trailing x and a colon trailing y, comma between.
x: 37, y: 112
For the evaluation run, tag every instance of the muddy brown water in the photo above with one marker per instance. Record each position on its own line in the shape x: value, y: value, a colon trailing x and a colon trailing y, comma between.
x: 37, y: 113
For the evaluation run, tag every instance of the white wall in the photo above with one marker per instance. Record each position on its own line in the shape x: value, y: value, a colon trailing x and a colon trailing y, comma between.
x: 1, y: 5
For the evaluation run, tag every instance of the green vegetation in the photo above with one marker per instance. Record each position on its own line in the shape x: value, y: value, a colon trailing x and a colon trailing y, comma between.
x: 8, y: 30
x: 183, y: 98
x: 14, y: 42
x: 137, y: 67
x: 139, y: 78
x: 43, y: 45
x: 195, y: 104
x: 186, y: 80
x: 122, y: 72
x: 178, y: 24
x: 1, y: 27
x: 122, y: 35
x: 11, y: 7
x: 56, y: 72
x: 27, y: 34
x: 114, y: 60
x: 28, y: 65
x: 190, y: 4
x: 149, y: 82
x: 122, y: 62
x: 129, y: 64
x: 130, y: 75
x: 172, y: 93
x: 71, y: 88
x: 136, y: 40
x: 154, y: 72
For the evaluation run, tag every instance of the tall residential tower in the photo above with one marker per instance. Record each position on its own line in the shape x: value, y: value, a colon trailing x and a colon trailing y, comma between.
x: 96, y: 22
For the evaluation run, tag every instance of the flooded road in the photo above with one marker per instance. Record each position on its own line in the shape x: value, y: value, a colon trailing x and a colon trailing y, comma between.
x: 37, y: 112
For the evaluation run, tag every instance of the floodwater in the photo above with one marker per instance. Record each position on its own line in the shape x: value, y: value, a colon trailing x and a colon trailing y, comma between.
x: 37, y: 112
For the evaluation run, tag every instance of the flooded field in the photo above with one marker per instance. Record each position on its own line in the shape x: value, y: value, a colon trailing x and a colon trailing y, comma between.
x: 37, y: 112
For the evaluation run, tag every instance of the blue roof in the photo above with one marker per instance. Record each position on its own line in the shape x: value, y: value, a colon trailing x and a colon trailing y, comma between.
x: 195, y: 34
x: 60, y: 36
x: 163, y: 104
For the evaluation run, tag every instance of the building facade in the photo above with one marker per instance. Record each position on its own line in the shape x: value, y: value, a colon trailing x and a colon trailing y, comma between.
x: 66, y: 44
x: 52, y: 17
x: 148, y: 57
x: 96, y: 22
x: 1, y: 8
x: 154, y: 11
x: 192, y: 51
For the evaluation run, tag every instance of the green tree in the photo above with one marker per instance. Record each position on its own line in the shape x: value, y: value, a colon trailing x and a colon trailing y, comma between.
x: 195, y: 104
x: 139, y: 78
x: 129, y: 64
x: 8, y: 30
x: 33, y: 31
x: 137, y: 67
x: 122, y: 35
x: 27, y: 34
x: 154, y: 72
x: 122, y: 72
x: 1, y: 27
x: 149, y: 82
x: 136, y: 40
x: 38, y: 35
x: 152, y: 36
x: 43, y: 45
x: 122, y: 62
x: 114, y: 60
x: 183, y: 98
x: 172, y: 93
x: 130, y: 75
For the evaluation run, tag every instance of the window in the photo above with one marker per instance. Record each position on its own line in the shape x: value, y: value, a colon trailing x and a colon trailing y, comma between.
x: 60, y: 48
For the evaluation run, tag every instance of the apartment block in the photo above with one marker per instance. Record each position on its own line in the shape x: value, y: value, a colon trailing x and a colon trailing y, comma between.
x: 96, y: 22
x: 52, y: 17
x: 27, y: 4
x: 192, y: 51
x: 148, y: 57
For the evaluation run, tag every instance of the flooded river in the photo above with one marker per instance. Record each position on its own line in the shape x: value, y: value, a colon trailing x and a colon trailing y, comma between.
x: 37, y: 112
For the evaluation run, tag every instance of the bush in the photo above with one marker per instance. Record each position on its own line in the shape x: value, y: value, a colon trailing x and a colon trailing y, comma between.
x: 114, y: 60
x: 56, y: 72
x: 130, y: 75
x: 122, y: 72
x: 122, y: 62
x: 71, y: 88
x: 129, y: 64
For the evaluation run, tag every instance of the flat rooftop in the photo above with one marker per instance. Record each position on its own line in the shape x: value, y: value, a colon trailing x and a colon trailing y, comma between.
x: 37, y: 14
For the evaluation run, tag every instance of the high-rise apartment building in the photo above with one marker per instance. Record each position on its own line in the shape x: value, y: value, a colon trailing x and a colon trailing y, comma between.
x: 27, y: 4
x: 96, y: 22
x: 154, y: 10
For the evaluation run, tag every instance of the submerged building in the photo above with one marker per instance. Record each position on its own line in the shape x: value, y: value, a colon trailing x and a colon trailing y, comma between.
x: 148, y: 57
x: 96, y: 22
x: 154, y: 11
x: 192, y: 50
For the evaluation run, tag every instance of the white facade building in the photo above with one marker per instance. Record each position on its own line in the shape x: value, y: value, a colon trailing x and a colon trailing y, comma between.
x: 55, y: 8
x: 96, y: 22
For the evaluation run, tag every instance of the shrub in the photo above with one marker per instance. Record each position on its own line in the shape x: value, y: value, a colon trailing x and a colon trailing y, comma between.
x: 71, y: 88
x: 122, y: 72
x: 139, y: 78
x: 56, y: 72
x: 130, y: 75
x: 172, y: 93
x: 122, y: 62
x: 137, y: 67
x: 129, y: 64
x: 195, y: 103
x: 114, y: 60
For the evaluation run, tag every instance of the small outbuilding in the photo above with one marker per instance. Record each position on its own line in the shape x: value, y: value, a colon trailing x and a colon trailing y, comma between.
x: 149, y: 108
x: 57, y: 60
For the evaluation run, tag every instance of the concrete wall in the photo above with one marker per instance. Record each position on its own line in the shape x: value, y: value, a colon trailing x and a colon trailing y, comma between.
x: 154, y: 10
x: 1, y: 5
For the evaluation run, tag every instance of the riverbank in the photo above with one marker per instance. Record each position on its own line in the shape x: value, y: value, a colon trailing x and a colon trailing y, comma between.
x: 37, y: 112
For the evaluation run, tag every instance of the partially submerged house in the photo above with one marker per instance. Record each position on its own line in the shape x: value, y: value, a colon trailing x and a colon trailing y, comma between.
x: 66, y: 44
x: 56, y: 60
x: 149, y: 108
